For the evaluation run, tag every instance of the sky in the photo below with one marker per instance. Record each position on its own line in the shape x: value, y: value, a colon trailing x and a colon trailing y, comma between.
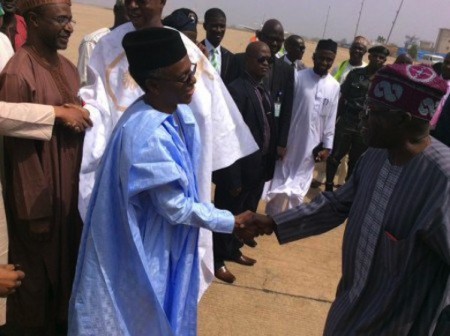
x: 421, y: 18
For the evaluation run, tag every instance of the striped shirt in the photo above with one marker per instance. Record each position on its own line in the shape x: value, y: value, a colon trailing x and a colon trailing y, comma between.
x: 407, y: 288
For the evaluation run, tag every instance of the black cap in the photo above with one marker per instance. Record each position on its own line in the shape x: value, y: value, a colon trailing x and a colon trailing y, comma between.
x: 327, y: 45
x: 182, y: 19
x: 379, y: 49
x: 152, y: 48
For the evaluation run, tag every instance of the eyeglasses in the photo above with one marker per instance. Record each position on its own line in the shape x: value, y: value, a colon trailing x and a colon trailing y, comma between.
x: 263, y: 59
x: 64, y: 20
x: 185, y: 79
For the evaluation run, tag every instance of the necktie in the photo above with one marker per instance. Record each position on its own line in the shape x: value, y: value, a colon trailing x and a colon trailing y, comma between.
x: 266, y: 109
x: 214, y: 60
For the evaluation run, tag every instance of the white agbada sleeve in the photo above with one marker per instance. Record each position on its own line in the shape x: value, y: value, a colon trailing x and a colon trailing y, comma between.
x: 6, y: 50
x: 223, y: 133
x: 330, y: 123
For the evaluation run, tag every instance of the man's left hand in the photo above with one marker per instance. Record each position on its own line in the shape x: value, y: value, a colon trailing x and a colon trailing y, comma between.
x: 281, y: 152
x: 73, y: 116
x: 323, y: 155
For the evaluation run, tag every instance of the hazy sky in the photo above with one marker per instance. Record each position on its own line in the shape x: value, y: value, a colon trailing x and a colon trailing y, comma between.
x: 422, y: 18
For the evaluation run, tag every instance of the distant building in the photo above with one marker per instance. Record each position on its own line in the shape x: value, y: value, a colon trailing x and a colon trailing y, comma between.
x: 443, y: 41
x: 426, y: 45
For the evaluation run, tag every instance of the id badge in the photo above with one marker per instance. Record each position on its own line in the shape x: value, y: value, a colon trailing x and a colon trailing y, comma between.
x: 277, y: 110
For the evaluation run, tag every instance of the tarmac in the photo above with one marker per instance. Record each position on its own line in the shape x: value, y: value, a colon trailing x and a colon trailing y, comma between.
x: 287, y: 292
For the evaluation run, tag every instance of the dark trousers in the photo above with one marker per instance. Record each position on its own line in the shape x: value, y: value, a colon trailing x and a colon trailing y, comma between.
x: 346, y: 141
x: 226, y: 246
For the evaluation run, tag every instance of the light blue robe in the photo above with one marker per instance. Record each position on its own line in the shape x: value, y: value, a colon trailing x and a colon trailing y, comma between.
x: 137, y: 271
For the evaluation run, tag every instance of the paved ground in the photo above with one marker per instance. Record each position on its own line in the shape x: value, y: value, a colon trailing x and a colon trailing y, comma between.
x: 288, y: 292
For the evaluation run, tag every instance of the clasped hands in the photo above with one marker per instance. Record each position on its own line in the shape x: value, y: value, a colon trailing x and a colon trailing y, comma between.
x: 74, y: 117
x: 249, y: 225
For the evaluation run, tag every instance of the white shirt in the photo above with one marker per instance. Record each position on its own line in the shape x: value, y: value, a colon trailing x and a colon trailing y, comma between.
x: 298, y: 64
x: 218, y: 51
x: 6, y: 50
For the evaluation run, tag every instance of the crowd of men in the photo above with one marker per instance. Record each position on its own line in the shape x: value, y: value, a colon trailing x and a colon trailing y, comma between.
x: 109, y: 169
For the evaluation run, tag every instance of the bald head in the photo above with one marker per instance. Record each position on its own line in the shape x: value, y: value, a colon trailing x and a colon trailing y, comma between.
x: 254, y: 48
x: 403, y: 59
x: 257, y: 60
x: 272, y: 33
x: 271, y: 26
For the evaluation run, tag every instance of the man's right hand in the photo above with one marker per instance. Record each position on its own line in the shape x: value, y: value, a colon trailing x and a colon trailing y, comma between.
x: 10, y: 279
x: 73, y: 116
x: 281, y: 152
x: 250, y: 224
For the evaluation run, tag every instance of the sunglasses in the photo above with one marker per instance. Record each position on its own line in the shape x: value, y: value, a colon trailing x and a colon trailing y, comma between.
x: 263, y: 59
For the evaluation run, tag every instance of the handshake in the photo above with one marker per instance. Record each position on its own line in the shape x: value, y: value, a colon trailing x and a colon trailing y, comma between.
x: 249, y: 225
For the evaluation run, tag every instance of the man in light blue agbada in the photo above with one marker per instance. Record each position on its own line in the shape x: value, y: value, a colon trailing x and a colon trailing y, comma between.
x: 138, y: 270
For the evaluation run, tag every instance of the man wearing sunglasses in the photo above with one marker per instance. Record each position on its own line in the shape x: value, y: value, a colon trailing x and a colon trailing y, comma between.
x: 279, y: 81
x: 240, y: 186
x: 138, y: 267
x: 396, y: 246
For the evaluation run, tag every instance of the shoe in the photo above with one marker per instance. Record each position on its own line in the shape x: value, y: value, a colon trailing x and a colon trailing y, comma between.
x: 328, y: 186
x: 315, y: 184
x: 243, y: 260
x: 250, y: 242
x: 225, y: 275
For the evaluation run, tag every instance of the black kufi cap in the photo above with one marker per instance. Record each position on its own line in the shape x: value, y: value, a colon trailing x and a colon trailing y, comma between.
x: 182, y: 19
x: 327, y: 45
x: 152, y: 48
x: 379, y: 49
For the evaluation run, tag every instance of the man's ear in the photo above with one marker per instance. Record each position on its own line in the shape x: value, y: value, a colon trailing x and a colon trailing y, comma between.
x: 405, y: 118
x: 152, y: 86
x: 258, y: 34
x: 32, y: 18
x: 204, y: 25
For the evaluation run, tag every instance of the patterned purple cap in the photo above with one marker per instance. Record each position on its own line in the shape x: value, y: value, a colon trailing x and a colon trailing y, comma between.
x: 416, y: 89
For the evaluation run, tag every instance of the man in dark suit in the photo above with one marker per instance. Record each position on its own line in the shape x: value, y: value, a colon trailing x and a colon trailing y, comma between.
x: 215, y: 25
x: 295, y: 48
x: 279, y: 81
x: 240, y: 186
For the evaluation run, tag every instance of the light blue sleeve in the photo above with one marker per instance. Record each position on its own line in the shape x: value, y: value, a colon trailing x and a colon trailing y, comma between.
x: 161, y: 173
x: 171, y: 203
